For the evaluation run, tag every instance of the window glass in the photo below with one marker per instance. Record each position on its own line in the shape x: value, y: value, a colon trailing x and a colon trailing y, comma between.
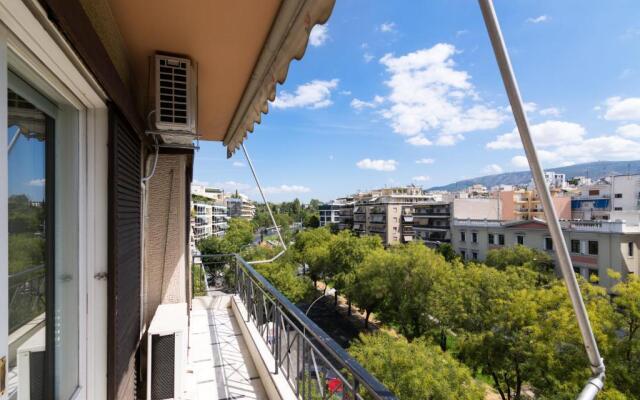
x: 575, y: 246
x: 630, y: 249
x: 593, y: 247
x: 501, y: 239
x: 548, y: 243
x: 520, y: 239
x: 43, y: 279
x: 463, y: 236
x: 491, y: 239
x: 474, y: 237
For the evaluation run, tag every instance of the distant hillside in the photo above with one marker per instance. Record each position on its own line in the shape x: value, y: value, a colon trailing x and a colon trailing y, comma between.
x: 594, y: 170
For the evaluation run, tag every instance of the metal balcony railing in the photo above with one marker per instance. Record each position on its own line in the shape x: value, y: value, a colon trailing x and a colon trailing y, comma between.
x: 314, y: 365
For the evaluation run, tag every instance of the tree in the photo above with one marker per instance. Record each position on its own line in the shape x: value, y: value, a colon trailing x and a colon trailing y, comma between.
x: 283, y: 275
x: 624, y: 365
x: 416, y: 370
x: 414, y: 273
x: 371, y: 288
x: 346, y: 251
x: 519, y: 255
x: 447, y: 251
x: 238, y: 236
x: 312, y: 221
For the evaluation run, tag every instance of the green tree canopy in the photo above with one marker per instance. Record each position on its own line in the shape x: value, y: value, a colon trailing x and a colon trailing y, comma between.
x: 519, y: 255
x: 416, y: 370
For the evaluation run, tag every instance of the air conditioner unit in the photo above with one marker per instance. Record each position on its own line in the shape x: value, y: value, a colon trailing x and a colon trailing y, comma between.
x: 175, y: 94
x: 167, y: 341
x: 31, y: 367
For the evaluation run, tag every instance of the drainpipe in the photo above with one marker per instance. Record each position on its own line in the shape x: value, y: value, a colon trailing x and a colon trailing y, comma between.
x: 595, y: 384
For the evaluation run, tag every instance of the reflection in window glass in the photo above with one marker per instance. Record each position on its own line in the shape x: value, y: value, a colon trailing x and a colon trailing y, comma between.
x: 28, y: 232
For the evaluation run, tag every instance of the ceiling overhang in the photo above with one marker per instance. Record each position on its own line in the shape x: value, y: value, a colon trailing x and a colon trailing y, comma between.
x: 242, y: 48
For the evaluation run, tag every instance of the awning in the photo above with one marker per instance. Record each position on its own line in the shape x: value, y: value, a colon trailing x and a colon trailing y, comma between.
x: 287, y: 40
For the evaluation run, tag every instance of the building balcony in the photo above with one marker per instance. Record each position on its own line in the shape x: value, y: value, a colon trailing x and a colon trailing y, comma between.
x: 250, y: 341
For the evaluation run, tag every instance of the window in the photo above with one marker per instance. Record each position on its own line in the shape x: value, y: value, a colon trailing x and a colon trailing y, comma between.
x: 593, y: 247
x: 474, y: 237
x: 491, y: 239
x: 463, y: 254
x: 575, y: 246
x: 617, y: 208
x: 630, y: 249
x: 594, y: 192
x: 474, y: 255
x: 520, y: 239
x: 463, y: 237
x: 618, y: 195
x: 594, y: 275
x: 548, y: 244
x: 501, y: 239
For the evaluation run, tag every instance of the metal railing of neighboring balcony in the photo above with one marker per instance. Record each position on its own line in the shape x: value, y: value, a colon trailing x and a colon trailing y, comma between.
x: 314, y: 365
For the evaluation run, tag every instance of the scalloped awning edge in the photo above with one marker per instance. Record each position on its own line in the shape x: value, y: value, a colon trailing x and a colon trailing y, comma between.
x: 287, y: 41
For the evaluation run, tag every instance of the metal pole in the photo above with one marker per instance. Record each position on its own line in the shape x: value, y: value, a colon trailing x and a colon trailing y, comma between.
x: 255, y: 177
x: 560, y: 246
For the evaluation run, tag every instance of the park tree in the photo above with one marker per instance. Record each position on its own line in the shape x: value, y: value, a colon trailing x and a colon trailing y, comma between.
x: 414, y: 275
x: 416, y: 370
x: 371, y: 288
x: 624, y: 363
x: 519, y: 255
x: 346, y: 252
x: 238, y: 236
x: 284, y: 276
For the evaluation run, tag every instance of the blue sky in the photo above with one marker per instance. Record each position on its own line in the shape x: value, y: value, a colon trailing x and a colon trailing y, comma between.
x: 399, y: 92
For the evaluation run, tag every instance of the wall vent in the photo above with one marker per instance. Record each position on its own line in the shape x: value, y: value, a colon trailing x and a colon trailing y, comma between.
x: 175, y: 94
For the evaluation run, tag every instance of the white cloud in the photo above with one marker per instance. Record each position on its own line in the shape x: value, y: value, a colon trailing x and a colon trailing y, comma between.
x: 238, y: 164
x: 388, y: 27
x: 36, y: 182
x: 286, y: 189
x: 377, y: 165
x: 319, y: 35
x: 619, y: 109
x: 538, y: 19
x: 462, y: 32
x: 315, y: 94
x: 629, y: 130
x: 425, y: 161
x: 367, y: 57
x: 345, y: 92
x: 232, y: 186
x: 420, y: 178
x: 492, y: 169
x: 419, y: 140
x: 551, y: 111
x: 545, y: 134
x: 520, y: 162
x: 361, y: 104
x: 429, y: 95
x: 564, y: 143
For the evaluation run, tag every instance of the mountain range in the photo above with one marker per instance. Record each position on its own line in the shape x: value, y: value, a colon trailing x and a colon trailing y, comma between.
x: 594, y: 170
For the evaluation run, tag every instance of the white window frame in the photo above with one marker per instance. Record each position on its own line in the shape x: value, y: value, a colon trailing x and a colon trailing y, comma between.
x: 46, y: 53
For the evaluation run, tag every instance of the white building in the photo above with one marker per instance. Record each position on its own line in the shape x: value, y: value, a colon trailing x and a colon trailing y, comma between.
x: 626, y: 192
x: 553, y: 180
x: 330, y: 213
x: 240, y: 207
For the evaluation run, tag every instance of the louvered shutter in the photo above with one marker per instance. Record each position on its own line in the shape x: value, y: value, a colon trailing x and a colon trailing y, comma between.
x: 125, y: 213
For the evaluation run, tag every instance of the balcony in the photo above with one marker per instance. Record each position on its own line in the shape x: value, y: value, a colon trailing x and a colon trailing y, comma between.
x: 249, y: 341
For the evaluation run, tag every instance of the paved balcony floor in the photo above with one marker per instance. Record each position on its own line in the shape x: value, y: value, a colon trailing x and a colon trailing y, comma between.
x: 219, y: 364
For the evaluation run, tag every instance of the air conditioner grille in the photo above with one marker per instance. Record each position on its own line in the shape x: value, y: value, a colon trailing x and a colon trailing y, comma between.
x: 173, y: 82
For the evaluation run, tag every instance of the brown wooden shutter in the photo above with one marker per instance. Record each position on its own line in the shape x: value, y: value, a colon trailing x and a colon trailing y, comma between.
x: 125, y: 218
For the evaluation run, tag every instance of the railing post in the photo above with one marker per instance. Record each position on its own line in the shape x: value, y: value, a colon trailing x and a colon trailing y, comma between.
x: 356, y: 387
x: 276, y: 343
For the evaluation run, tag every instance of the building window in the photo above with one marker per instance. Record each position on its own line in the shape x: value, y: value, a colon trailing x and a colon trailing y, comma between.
x: 575, y: 246
x: 548, y: 244
x: 492, y: 239
x: 594, y: 193
x: 474, y: 237
x: 630, y: 249
x: 501, y: 239
x: 617, y: 209
x: 520, y: 239
x: 463, y: 254
x: 618, y: 195
x: 463, y: 237
x: 593, y: 247
x: 474, y: 255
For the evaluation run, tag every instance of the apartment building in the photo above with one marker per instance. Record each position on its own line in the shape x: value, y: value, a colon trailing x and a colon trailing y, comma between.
x: 522, y: 204
x: 330, y: 213
x: 209, y: 219
x: 380, y: 212
x: 553, y: 180
x: 428, y: 222
x: 596, y: 201
x: 345, y: 213
x: 595, y: 246
x: 240, y: 207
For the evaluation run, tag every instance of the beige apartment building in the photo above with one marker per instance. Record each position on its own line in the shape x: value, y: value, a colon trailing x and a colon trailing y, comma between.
x: 524, y: 204
x: 595, y: 246
x: 380, y: 212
